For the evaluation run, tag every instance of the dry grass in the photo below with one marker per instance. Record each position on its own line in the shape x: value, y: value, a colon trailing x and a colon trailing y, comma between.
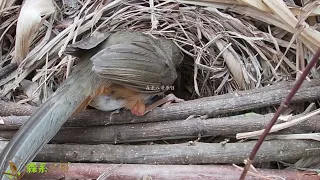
x: 229, y: 45
x: 224, y: 51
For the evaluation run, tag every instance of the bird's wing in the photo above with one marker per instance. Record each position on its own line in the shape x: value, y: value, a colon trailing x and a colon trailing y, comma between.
x: 139, y: 63
x: 87, y: 45
x: 48, y: 119
x: 131, y: 64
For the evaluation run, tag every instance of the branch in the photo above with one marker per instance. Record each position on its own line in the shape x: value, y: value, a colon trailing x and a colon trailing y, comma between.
x: 186, y: 153
x: 179, y: 129
x: 279, y: 127
x: 310, y: 136
x: 11, y: 108
x: 211, y: 106
x: 284, y: 104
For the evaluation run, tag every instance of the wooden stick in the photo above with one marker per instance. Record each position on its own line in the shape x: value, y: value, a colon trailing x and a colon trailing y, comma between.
x: 12, y: 122
x: 279, y: 127
x: 211, y: 106
x: 10, y: 108
x: 311, y: 136
x: 179, y: 129
x: 168, y: 172
x: 186, y: 153
x: 284, y: 104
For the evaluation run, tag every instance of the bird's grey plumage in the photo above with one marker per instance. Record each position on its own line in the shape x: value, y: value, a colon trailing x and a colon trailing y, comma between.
x: 135, y: 60
x: 125, y: 57
x: 49, y: 118
x: 138, y: 61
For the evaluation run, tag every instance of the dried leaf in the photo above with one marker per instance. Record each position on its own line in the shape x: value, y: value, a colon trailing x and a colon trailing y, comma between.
x: 28, y: 23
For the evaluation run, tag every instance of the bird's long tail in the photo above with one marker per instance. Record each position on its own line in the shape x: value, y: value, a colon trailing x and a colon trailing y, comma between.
x: 49, y: 118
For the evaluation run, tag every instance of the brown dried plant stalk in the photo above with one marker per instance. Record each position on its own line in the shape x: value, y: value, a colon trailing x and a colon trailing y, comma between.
x: 281, y: 108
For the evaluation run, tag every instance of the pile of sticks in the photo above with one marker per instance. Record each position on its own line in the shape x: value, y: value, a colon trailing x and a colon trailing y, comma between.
x: 120, y: 138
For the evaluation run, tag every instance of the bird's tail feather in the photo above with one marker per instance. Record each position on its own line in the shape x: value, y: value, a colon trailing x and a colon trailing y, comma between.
x: 48, y: 119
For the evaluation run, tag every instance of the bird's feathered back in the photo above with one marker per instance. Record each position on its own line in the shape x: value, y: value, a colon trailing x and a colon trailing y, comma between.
x: 133, y: 59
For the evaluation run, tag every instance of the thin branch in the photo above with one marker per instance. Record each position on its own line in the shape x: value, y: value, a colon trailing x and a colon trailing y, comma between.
x: 283, y: 106
x: 278, y: 127
x: 308, y: 136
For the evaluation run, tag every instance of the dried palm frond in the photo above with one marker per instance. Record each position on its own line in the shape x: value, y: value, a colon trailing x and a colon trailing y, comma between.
x: 28, y: 23
x: 226, y: 45
x: 5, y: 4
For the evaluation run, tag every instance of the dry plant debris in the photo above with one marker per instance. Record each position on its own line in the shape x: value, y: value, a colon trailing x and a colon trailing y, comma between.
x: 225, y: 51
x: 229, y: 45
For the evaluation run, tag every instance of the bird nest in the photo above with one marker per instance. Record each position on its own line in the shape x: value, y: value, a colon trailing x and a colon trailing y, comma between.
x: 227, y: 46
x: 224, y: 51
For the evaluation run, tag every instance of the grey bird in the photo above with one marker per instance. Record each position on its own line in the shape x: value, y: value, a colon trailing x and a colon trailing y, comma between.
x: 114, y: 71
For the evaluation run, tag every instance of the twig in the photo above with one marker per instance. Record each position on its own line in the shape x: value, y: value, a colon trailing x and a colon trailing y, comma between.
x: 255, y: 174
x: 309, y: 136
x: 281, y: 108
x: 278, y: 127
